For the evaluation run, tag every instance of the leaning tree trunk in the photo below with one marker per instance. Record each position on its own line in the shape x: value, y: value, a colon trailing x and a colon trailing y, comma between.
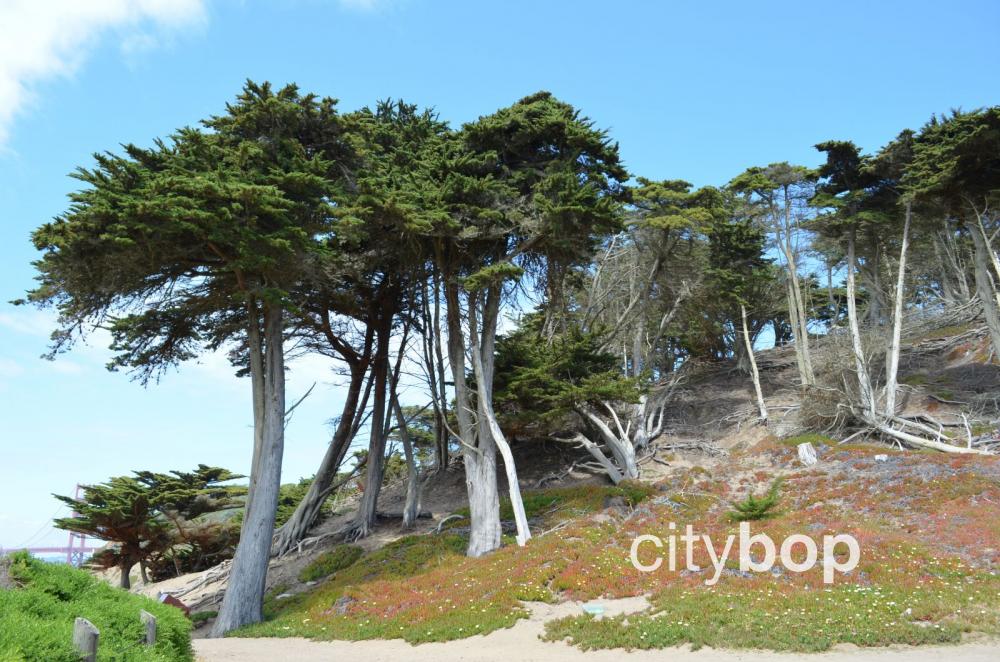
x: 796, y: 304
x: 244, y: 597
x: 483, y: 351
x: 603, y: 461
x: 754, y: 374
x: 892, y: 359
x: 297, y: 527
x: 411, y: 508
x: 493, y: 429
x: 986, y: 283
x: 860, y: 363
x: 367, y: 509
x: 620, y: 445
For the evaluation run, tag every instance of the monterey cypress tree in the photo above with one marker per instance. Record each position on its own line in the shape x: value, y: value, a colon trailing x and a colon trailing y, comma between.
x: 194, y: 243
x: 527, y: 191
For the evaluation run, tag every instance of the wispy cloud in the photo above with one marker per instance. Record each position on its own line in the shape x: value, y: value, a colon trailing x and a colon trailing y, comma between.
x: 45, y: 39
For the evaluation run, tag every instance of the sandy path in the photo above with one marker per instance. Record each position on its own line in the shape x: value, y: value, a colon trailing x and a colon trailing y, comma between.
x: 521, y: 644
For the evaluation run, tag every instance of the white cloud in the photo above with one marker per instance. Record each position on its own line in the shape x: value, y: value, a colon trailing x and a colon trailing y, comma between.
x: 45, y: 39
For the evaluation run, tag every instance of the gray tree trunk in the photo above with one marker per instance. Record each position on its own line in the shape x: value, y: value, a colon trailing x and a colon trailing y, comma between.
x: 761, y: 407
x: 435, y: 367
x: 411, y: 507
x: 986, y: 289
x: 892, y: 358
x: 620, y: 446
x: 796, y: 303
x: 244, y: 597
x: 297, y: 527
x: 256, y: 350
x: 486, y: 412
x: 478, y: 454
x: 860, y: 362
x: 367, y: 509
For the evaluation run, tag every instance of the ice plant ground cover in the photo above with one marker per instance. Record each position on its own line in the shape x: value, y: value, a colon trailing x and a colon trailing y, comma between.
x: 928, y: 526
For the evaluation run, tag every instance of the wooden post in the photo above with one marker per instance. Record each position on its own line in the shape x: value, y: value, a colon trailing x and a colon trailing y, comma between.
x: 85, y: 637
x: 150, y: 622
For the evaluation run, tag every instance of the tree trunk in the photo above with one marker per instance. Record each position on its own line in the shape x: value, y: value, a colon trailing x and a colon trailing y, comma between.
x: 143, y: 573
x: 985, y: 288
x: 871, y: 269
x: 831, y: 301
x: 860, y: 363
x: 621, y: 448
x: 365, y: 520
x: 482, y: 340
x: 479, y: 455
x: 761, y: 407
x: 411, y: 507
x: 435, y: 367
x: 256, y: 352
x: 244, y: 595
x: 892, y: 360
x: 297, y: 527
x: 958, y: 269
x: 125, y: 567
x: 796, y: 304
x: 486, y: 411
x: 595, y: 451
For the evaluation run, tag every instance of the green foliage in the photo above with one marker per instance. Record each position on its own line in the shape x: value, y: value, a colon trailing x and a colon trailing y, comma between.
x: 671, y: 205
x: 330, y: 562
x: 956, y: 162
x: 36, y: 617
x: 169, y: 244
x: 737, y: 269
x: 538, y: 382
x: 122, y: 511
x: 808, y: 438
x: 401, y: 558
x: 757, y: 508
x: 812, y: 621
x: 289, y: 496
x: 494, y: 274
x: 158, y: 519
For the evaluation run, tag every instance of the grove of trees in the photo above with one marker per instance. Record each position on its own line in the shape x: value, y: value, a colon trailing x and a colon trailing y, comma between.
x: 385, y: 239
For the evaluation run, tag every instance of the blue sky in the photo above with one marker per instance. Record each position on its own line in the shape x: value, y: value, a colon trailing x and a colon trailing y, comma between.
x: 691, y: 90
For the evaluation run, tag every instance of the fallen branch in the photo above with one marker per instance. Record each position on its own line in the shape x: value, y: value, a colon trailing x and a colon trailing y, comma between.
x: 447, y: 519
x: 914, y: 440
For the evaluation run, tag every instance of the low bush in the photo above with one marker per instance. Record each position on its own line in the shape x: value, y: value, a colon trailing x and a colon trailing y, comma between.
x: 757, y: 508
x: 38, y: 611
x: 329, y: 562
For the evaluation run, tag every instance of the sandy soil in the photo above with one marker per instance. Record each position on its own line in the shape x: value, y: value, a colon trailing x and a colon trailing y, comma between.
x: 521, y: 644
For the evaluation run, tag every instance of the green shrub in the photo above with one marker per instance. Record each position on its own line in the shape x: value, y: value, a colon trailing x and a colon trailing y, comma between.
x: 330, y: 562
x: 37, y: 616
x: 754, y: 508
